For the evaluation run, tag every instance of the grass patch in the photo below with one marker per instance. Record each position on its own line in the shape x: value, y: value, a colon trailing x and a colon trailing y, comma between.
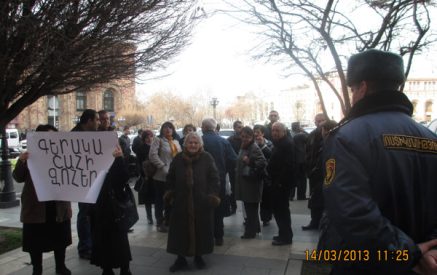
x: 13, y: 163
x: 10, y: 238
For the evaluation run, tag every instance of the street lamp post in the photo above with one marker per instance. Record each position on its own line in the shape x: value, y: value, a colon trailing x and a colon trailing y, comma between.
x: 7, y: 194
x: 214, y: 102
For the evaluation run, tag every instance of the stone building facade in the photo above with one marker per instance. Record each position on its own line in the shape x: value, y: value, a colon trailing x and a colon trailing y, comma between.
x: 301, y: 103
x: 64, y: 111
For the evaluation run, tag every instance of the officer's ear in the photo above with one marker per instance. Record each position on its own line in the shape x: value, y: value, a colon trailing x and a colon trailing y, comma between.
x: 359, y: 91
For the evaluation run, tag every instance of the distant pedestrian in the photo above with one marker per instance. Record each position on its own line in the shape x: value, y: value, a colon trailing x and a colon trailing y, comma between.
x: 273, y: 117
x: 125, y: 143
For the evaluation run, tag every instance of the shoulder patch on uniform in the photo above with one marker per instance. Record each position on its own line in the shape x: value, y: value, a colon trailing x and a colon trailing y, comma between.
x: 410, y: 143
x: 330, y: 171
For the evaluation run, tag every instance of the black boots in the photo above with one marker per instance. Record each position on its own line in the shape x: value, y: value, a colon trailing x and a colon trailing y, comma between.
x: 179, y: 264
x: 199, y: 262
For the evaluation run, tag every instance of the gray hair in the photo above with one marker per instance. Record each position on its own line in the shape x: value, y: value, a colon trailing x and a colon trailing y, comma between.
x: 209, y: 124
x: 193, y: 135
x: 280, y: 125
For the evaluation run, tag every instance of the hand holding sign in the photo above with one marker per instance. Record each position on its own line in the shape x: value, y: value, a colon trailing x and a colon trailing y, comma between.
x: 70, y: 166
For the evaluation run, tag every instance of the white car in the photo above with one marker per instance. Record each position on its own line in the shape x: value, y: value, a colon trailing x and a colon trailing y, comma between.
x: 225, y: 133
x: 23, y: 145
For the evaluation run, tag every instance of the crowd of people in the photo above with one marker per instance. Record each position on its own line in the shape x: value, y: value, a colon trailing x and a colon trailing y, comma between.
x: 360, y: 179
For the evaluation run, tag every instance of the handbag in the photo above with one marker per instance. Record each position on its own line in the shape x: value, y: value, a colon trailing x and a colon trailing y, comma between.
x: 139, y: 184
x: 149, y: 168
x: 125, y: 210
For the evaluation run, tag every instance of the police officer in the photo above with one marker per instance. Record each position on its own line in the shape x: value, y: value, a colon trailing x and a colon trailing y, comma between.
x: 380, y: 185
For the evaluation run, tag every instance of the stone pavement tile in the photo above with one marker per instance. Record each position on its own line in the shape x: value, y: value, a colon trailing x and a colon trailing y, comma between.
x: 294, y: 267
x: 298, y: 249
x: 255, y: 271
x: 258, y: 248
x: 227, y: 270
x: 272, y: 264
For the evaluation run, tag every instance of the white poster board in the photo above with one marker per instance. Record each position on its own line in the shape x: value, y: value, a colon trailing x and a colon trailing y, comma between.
x: 70, y: 166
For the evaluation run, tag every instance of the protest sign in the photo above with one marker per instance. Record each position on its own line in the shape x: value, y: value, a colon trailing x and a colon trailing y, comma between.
x: 70, y: 166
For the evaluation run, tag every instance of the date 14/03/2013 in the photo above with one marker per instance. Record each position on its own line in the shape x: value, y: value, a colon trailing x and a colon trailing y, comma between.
x: 356, y: 255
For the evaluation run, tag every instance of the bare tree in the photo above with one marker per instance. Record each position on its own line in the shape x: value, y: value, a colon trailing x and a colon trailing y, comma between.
x: 318, y: 36
x: 50, y: 47
x: 167, y: 106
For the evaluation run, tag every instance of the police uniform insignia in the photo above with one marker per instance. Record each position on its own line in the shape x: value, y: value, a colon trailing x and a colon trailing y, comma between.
x: 330, y: 171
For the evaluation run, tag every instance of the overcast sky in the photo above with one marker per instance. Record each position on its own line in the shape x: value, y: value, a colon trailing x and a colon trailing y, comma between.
x: 218, y: 64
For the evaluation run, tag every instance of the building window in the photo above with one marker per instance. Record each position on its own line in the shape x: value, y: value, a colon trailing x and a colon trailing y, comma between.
x: 414, y: 102
x: 80, y: 101
x: 428, y: 107
x: 108, y: 100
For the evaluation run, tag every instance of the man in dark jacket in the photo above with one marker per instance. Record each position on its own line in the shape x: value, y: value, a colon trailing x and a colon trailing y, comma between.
x: 89, y: 121
x: 224, y: 157
x: 314, y: 171
x: 105, y: 121
x: 124, y: 141
x: 273, y: 117
x: 137, y: 145
x: 281, y: 171
x: 380, y: 184
x: 299, y: 139
x: 235, y: 141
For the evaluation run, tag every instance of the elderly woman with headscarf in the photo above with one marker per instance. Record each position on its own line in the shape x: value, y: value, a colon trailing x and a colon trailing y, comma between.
x: 161, y: 154
x: 193, y: 192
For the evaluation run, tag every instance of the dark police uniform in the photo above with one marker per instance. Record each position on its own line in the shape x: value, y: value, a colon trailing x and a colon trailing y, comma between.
x: 380, y: 188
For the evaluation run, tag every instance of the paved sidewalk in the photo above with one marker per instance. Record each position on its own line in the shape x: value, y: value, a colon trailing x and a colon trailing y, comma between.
x: 236, y: 256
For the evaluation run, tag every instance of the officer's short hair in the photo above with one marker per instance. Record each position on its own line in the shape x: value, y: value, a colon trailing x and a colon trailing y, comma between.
x: 377, y: 67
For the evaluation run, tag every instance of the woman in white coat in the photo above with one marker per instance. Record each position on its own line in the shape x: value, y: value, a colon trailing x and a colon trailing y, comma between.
x: 161, y: 154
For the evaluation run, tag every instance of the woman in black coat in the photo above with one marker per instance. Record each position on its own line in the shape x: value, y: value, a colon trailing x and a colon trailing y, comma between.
x: 146, y: 195
x: 110, y: 244
x: 193, y: 192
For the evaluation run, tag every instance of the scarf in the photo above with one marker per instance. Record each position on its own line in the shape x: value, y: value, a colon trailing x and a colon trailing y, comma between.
x: 173, y: 148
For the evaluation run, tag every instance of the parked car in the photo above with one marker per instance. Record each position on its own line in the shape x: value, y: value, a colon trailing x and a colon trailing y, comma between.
x: 13, y: 138
x: 13, y: 152
x: 225, y: 133
x: 309, y: 129
x: 23, y: 145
